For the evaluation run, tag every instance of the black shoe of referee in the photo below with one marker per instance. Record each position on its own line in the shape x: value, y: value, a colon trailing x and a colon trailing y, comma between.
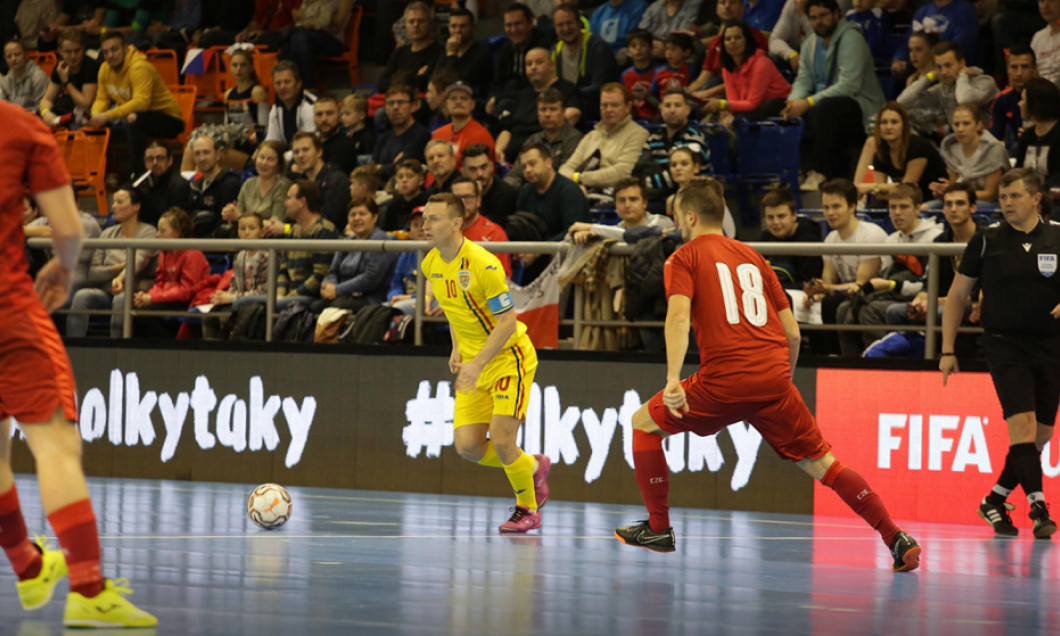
x: 997, y: 516
x: 1044, y: 526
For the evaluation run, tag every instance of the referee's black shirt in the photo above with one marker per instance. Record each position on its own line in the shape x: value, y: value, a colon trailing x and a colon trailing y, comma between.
x: 1019, y: 277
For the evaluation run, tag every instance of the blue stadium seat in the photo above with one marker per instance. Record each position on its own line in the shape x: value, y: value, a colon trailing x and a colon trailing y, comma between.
x: 767, y: 154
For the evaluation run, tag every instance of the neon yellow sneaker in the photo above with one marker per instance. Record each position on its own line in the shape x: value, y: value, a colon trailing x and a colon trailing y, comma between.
x: 108, y: 609
x: 36, y: 592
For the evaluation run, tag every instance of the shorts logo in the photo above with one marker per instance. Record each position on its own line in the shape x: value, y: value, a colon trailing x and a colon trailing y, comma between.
x: 1047, y: 264
x: 464, y: 278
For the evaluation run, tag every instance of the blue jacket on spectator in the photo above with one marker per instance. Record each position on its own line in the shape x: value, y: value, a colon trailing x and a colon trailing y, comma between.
x: 763, y: 15
x: 875, y: 24
x: 404, y: 270
x: 612, y: 23
x: 849, y: 73
x: 957, y: 21
x: 1006, y: 118
x: 364, y: 274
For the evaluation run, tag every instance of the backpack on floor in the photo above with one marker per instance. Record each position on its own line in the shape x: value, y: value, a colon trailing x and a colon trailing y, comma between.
x: 246, y: 323
x: 370, y: 325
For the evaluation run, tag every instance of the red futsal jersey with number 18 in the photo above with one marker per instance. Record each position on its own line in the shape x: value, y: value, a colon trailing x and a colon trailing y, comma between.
x: 35, y: 374
x: 743, y: 351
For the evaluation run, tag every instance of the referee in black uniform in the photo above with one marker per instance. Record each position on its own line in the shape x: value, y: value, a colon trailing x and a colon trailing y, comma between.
x: 1016, y: 263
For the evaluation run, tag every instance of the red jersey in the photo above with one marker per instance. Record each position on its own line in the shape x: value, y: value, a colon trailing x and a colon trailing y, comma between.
x: 30, y: 159
x: 178, y: 273
x: 484, y: 230
x: 632, y: 79
x: 743, y: 351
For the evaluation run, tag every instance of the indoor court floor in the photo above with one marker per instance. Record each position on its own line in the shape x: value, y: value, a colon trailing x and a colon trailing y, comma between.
x: 356, y: 562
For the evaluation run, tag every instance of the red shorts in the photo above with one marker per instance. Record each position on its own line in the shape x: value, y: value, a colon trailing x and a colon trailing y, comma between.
x: 784, y: 421
x: 35, y: 374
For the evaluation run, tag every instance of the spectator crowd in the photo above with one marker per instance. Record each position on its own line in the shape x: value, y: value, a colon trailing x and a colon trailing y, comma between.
x: 578, y: 124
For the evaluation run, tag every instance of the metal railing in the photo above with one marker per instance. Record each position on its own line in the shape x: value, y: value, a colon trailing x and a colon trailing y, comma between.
x: 933, y: 251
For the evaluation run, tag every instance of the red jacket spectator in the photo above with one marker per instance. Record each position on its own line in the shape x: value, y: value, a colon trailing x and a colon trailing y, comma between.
x: 272, y: 15
x: 179, y: 274
x: 712, y: 60
x: 756, y: 81
x: 472, y: 133
x: 482, y: 230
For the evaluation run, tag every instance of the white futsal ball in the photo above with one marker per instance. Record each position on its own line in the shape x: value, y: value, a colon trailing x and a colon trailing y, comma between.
x: 269, y: 506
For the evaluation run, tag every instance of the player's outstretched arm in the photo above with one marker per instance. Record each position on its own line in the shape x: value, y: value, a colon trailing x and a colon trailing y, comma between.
x: 952, y: 314
x: 678, y: 325
x: 55, y: 278
x: 791, y: 330
x: 470, y: 369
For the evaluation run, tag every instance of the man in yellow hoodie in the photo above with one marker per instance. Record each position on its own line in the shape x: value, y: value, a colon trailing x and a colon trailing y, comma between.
x: 132, y: 92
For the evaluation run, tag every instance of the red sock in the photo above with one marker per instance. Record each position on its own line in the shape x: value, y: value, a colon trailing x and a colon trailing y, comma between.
x: 653, y: 477
x: 75, y: 526
x: 856, y: 493
x: 25, y: 557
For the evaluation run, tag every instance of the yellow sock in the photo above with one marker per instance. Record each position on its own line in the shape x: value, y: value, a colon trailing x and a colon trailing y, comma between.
x: 521, y: 475
x: 491, y: 458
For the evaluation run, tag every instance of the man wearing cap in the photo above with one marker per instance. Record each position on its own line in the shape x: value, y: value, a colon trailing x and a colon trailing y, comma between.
x: 463, y: 130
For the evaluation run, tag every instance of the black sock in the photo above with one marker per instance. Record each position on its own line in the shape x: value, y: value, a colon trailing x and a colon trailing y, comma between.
x: 1006, y: 480
x: 1027, y: 466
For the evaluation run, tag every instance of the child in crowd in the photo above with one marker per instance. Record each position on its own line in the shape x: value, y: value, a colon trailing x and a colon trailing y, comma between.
x: 678, y: 72
x: 402, y: 292
x: 875, y: 25
x: 250, y: 273
x: 638, y: 77
x: 178, y: 275
x: 365, y: 183
x: 408, y: 195
x: 434, y: 116
x: 353, y: 116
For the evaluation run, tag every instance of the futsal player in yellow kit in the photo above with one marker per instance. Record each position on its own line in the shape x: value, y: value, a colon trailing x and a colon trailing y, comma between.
x: 493, y: 358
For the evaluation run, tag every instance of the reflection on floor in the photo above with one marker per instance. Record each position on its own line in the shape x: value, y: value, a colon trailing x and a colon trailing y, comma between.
x: 354, y: 562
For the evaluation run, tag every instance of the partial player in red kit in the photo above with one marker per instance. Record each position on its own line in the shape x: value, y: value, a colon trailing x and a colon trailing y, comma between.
x: 748, y: 345
x: 37, y: 389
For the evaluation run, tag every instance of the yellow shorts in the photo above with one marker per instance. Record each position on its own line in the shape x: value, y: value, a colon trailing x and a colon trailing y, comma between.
x: 503, y: 387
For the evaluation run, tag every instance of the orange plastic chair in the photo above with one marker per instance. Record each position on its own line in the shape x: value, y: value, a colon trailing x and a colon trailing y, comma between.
x: 186, y: 96
x: 85, y: 154
x: 46, y: 61
x: 212, y: 83
x: 165, y: 62
x: 353, y: 41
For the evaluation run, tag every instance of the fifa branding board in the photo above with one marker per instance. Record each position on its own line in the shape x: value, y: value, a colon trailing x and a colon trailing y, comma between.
x: 930, y: 452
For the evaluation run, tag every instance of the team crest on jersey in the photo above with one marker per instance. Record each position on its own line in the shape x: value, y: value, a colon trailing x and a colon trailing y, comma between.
x: 1047, y: 264
x: 464, y: 278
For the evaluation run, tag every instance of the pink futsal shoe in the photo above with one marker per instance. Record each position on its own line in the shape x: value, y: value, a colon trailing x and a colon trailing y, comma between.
x: 541, y: 491
x: 523, y: 519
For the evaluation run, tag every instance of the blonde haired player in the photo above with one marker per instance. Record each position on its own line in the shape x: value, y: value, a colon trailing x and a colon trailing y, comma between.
x: 493, y: 358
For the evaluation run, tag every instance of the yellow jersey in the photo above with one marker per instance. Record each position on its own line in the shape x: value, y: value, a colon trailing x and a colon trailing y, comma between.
x: 472, y: 290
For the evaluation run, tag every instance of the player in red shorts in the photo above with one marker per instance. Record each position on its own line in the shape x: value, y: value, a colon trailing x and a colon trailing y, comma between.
x: 37, y: 389
x: 748, y: 344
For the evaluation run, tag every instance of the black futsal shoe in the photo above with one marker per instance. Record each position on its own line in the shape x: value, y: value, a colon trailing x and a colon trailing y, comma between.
x: 906, y: 553
x: 997, y: 516
x: 641, y: 535
x: 1044, y: 526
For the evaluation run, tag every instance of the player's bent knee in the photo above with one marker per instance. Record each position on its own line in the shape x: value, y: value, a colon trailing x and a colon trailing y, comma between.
x: 642, y: 421
x: 817, y: 468
x: 1022, y: 428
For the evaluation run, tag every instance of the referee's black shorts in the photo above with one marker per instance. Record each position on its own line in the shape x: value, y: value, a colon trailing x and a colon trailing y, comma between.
x: 1026, y: 373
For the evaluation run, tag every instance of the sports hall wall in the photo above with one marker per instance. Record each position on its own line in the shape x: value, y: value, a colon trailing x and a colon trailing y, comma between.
x: 376, y: 420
